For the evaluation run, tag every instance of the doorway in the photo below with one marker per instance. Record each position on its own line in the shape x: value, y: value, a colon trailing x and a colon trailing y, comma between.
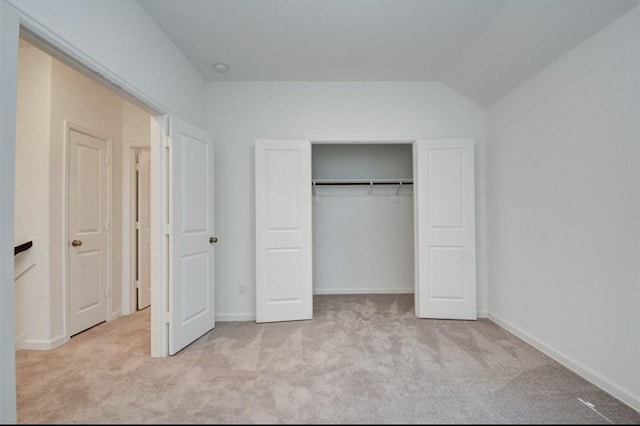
x: 16, y: 24
x: 363, y: 218
x: 71, y: 197
x: 141, y: 224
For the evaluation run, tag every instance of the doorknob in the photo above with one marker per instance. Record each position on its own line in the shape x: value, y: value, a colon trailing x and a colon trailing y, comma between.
x: 213, y: 240
x: 76, y: 243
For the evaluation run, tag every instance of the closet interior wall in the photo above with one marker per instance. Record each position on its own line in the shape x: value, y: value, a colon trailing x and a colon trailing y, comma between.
x: 363, y: 236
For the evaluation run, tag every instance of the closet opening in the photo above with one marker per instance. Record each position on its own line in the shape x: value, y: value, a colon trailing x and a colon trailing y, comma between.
x: 363, y: 218
x: 340, y: 217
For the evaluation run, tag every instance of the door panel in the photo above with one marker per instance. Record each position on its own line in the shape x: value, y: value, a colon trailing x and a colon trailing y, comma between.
x: 446, y: 266
x: 88, y: 238
x: 144, y: 228
x: 445, y: 188
x: 192, y: 291
x: 284, y: 275
x: 445, y: 249
x: 283, y: 231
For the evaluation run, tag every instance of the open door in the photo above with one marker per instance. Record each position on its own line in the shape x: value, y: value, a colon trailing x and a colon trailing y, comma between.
x: 143, y: 228
x: 284, y: 264
x: 444, y: 192
x: 192, y: 239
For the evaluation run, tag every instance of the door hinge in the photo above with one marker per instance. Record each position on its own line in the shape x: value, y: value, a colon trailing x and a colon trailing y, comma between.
x: 137, y: 225
x: 107, y: 161
x: 137, y: 284
x: 167, y: 229
x: 107, y: 227
x: 137, y: 167
x: 166, y: 317
x: 167, y: 142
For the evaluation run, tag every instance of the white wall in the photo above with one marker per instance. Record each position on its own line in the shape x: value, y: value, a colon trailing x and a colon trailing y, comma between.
x: 363, y: 246
x: 122, y: 37
x: 243, y: 111
x: 563, y: 212
x: 33, y: 126
x: 136, y: 124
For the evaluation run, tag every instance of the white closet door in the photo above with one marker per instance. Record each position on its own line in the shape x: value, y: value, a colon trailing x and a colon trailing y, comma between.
x: 284, y: 271
x: 191, y: 284
x: 445, y: 244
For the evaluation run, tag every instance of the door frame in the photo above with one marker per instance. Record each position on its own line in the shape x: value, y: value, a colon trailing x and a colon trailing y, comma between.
x: 401, y: 140
x: 129, y: 291
x: 66, y: 248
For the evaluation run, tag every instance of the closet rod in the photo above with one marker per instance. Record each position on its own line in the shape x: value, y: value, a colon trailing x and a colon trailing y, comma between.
x: 364, y: 182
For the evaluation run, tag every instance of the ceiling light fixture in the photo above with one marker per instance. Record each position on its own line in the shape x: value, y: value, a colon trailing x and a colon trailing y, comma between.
x: 221, y: 68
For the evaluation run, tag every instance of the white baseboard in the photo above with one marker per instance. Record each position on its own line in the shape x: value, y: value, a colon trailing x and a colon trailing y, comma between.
x: 328, y: 291
x: 483, y: 314
x: 582, y: 370
x: 115, y: 315
x: 43, y: 345
x: 235, y: 317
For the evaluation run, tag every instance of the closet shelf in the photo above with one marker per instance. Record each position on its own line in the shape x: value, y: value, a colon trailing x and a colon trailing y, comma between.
x: 316, y: 182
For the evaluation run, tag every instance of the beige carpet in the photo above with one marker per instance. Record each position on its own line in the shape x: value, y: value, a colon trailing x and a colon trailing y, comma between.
x: 362, y: 359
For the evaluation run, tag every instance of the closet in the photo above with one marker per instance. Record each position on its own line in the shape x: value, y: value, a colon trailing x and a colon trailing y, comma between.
x: 362, y: 218
x: 343, y: 217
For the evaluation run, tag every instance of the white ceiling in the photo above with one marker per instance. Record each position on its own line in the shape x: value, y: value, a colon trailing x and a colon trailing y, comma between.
x: 482, y: 48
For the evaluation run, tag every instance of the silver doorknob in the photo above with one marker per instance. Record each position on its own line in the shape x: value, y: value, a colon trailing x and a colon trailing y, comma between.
x: 213, y: 240
x: 76, y: 243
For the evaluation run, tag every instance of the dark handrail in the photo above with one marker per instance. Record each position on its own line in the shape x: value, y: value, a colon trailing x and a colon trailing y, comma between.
x: 22, y: 247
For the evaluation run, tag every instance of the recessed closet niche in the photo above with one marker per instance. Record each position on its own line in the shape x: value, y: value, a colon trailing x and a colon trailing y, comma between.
x: 363, y: 227
x: 338, y: 218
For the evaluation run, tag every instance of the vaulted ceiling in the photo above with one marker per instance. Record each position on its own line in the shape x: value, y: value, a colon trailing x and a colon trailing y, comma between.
x: 482, y: 48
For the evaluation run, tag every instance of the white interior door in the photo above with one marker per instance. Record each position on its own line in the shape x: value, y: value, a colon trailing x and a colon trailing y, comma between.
x: 88, y: 231
x: 192, y: 239
x: 445, y: 221
x: 284, y: 271
x: 143, y: 228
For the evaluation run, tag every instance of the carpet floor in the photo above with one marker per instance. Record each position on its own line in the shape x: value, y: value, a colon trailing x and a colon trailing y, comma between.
x: 362, y: 359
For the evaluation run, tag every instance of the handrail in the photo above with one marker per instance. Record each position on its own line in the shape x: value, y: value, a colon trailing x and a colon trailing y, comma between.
x: 22, y: 247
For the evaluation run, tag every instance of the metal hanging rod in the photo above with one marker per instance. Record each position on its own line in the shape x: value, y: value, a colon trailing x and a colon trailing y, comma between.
x: 362, y: 182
